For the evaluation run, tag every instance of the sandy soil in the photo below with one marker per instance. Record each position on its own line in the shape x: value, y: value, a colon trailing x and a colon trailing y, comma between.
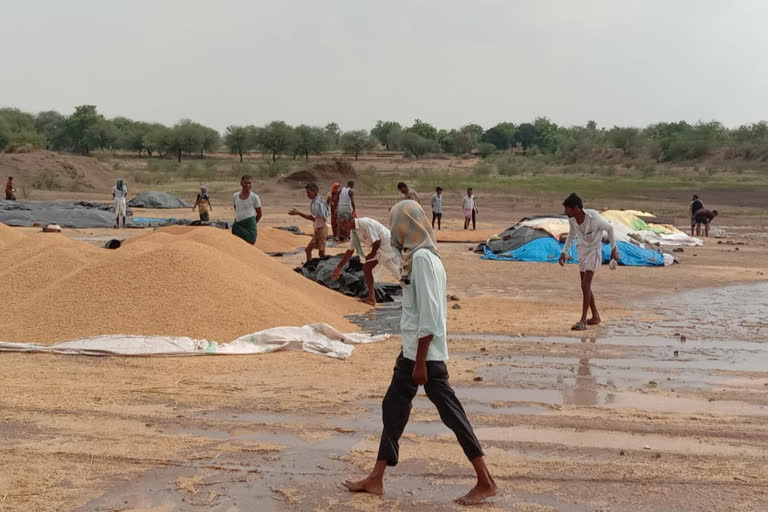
x: 630, y: 417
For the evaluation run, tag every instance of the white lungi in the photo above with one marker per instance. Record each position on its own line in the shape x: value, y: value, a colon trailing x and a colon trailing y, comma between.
x: 590, y: 259
x: 120, y: 206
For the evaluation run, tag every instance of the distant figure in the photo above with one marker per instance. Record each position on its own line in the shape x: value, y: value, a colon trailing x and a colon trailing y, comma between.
x: 408, y: 192
x: 10, y: 192
x: 119, y: 192
x: 588, y: 227
x: 247, y: 211
x: 421, y: 361
x: 333, y: 204
x: 437, y: 207
x: 704, y: 216
x: 319, y: 214
x: 347, y: 206
x: 696, y: 205
x: 203, y: 203
x: 468, y: 205
x: 369, y: 233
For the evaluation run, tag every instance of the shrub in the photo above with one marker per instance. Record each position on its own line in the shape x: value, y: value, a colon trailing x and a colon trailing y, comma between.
x: 486, y: 149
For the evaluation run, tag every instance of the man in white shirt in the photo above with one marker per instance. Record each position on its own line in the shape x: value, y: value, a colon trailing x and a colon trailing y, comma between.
x: 468, y: 206
x: 319, y: 214
x: 368, y: 233
x: 437, y: 207
x: 247, y: 207
x: 588, y: 226
x: 119, y: 192
x: 422, y: 359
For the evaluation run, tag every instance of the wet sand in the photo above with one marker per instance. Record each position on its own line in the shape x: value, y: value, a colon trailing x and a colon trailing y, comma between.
x: 663, y: 408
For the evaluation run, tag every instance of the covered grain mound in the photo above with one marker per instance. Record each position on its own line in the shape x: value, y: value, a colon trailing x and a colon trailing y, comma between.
x: 155, y: 199
x: 178, y: 281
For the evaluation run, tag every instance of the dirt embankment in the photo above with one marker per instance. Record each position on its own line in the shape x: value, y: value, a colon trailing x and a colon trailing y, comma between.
x: 47, y: 170
x: 321, y: 173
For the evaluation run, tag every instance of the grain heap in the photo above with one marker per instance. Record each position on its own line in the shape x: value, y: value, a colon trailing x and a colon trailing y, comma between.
x: 278, y: 240
x: 177, y: 281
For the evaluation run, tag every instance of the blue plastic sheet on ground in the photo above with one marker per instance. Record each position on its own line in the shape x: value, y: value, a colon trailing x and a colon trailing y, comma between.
x: 548, y: 250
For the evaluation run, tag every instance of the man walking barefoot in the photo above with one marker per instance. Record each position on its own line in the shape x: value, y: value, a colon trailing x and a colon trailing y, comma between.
x: 424, y: 352
x: 588, y: 226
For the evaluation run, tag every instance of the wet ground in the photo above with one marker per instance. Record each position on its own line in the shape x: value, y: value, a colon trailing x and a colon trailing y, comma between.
x: 576, y: 417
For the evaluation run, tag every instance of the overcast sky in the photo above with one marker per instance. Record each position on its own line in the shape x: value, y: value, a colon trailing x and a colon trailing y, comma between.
x: 627, y: 62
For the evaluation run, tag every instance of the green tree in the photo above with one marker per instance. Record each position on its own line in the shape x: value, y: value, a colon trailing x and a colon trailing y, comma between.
x: 627, y: 139
x: 356, y: 142
x: 502, y: 136
x: 20, y: 129
x: 103, y: 134
x: 486, y: 149
x: 310, y: 139
x: 5, y: 136
x: 426, y: 130
x: 81, y: 128
x: 131, y: 134
x: 417, y: 146
x: 383, y: 130
x: 525, y: 136
x: 447, y: 140
x: 157, y: 138
x: 210, y: 140
x: 276, y: 138
x: 749, y: 141
x: 463, y: 142
x: 473, y: 130
x: 393, y: 139
x: 238, y: 140
x: 333, y: 132
x: 52, y: 125
x: 545, y: 137
x: 185, y: 137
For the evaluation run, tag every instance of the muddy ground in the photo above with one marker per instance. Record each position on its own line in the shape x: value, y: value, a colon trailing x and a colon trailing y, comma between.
x: 663, y: 408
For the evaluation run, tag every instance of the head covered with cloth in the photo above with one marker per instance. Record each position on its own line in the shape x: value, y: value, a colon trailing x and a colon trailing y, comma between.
x: 411, y: 230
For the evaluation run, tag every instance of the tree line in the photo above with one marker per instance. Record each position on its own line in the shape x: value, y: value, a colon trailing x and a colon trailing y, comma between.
x: 86, y: 130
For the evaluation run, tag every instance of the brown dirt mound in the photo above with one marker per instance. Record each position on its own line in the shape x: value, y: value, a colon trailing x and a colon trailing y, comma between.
x: 325, y: 172
x: 54, y: 171
x: 177, y: 281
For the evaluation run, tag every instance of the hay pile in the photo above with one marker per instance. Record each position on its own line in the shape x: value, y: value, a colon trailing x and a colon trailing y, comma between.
x: 177, y: 281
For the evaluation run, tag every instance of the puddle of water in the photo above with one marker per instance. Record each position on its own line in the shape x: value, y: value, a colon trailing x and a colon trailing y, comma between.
x: 610, y: 440
x: 726, y: 313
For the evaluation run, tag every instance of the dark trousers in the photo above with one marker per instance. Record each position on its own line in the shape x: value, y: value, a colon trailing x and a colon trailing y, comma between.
x: 396, y: 408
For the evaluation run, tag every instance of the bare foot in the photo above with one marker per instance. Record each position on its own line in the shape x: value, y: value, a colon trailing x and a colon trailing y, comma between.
x: 593, y: 321
x: 478, y: 494
x: 367, y: 484
x: 370, y: 302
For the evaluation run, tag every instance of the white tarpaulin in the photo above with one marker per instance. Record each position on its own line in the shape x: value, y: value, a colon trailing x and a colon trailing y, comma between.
x: 319, y: 338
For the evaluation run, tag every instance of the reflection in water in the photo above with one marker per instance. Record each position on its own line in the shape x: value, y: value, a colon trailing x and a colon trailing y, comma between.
x: 584, y: 391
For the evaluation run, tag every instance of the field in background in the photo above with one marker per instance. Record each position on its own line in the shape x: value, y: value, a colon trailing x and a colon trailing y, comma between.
x: 736, y: 187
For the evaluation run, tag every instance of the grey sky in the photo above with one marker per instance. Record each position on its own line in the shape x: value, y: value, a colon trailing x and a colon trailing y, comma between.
x: 628, y: 62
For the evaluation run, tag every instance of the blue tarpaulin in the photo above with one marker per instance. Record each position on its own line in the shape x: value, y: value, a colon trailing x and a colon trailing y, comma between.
x: 548, y: 250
